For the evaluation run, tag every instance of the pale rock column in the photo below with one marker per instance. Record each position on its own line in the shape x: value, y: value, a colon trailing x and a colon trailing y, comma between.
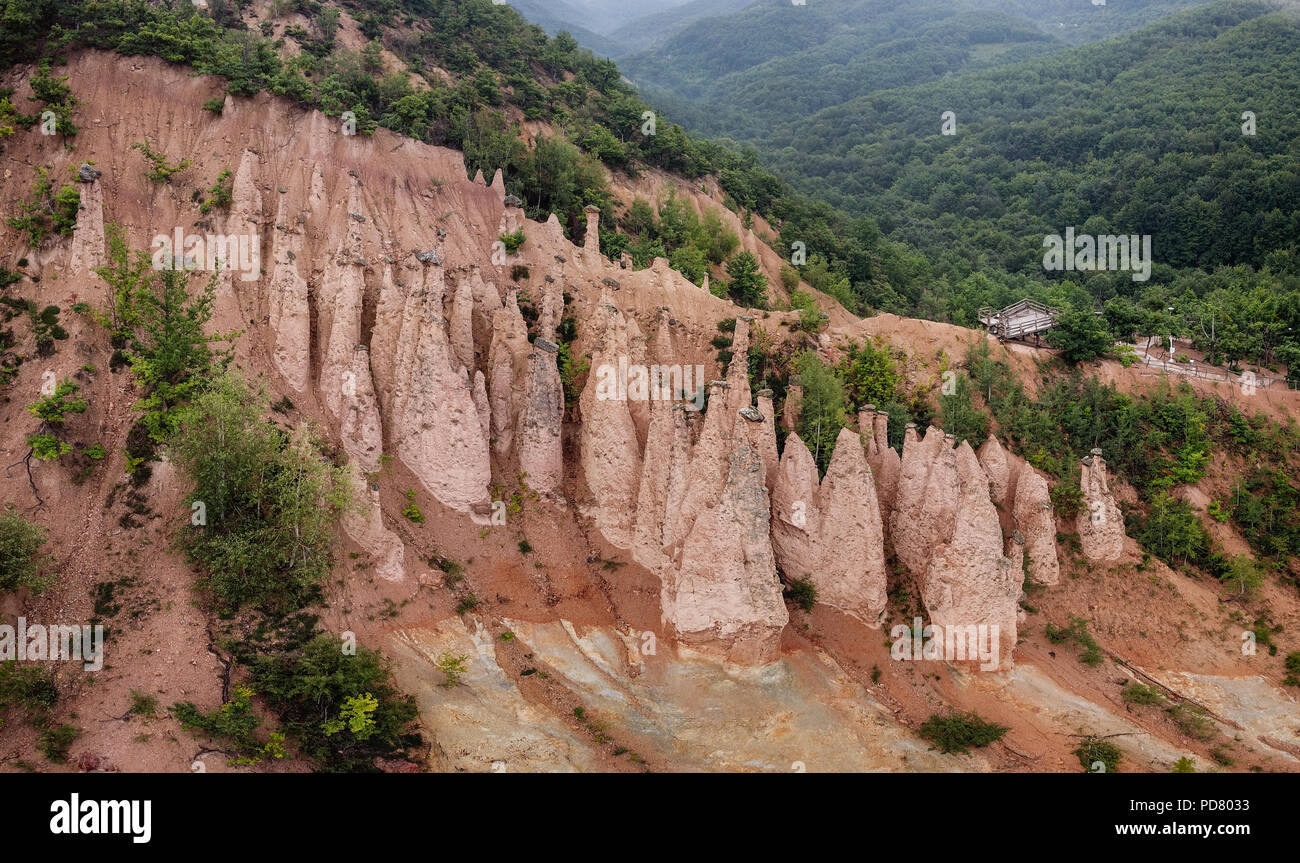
x: 439, y: 429
x: 541, y: 455
x: 366, y: 528
x: 87, y: 250
x: 763, y: 436
x: 969, y: 582
x: 831, y: 534
x: 867, y: 429
x: 793, y: 398
x: 591, y: 241
x: 1100, y: 522
x: 885, y: 465
x: 610, y: 453
x: 507, y: 366
x: 926, y: 498
x: 1037, y: 524
x: 726, y: 598
x: 289, y: 318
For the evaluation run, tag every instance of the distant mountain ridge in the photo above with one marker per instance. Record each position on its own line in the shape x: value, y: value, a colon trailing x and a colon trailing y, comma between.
x: 555, y: 16
x: 774, y: 62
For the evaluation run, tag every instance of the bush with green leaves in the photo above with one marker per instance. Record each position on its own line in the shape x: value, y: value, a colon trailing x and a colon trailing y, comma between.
x: 412, y: 509
x: 957, y: 412
x: 1142, y: 695
x: 125, y: 273
x: 233, y: 725
x: 28, y: 687
x: 341, y: 711
x: 160, y: 171
x: 1192, y: 720
x: 810, y: 317
x: 570, y: 371
x: 1098, y: 755
x: 21, y: 559
x: 219, y: 196
x: 512, y: 242
x: 452, y: 667
x: 53, y: 410
x: 46, y: 329
x: 870, y: 375
x: 57, y: 96
x: 1080, y: 336
x: 1292, y: 665
x: 54, y: 741
x: 1172, y: 532
x: 1242, y: 574
x: 802, y: 593
x: 47, y: 447
x: 958, y: 732
x: 270, y: 499
x: 689, y: 241
x: 48, y: 212
x: 355, y: 716
x: 1076, y: 631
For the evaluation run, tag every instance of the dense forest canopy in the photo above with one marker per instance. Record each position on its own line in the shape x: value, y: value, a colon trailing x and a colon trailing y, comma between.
x: 1142, y: 135
x: 776, y: 63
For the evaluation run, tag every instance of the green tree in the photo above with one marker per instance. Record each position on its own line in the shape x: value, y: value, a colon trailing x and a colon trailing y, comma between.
x: 869, y: 374
x: 57, y: 96
x: 53, y: 409
x: 640, y: 218
x: 315, y: 685
x: 1172, y: 532
x: 268, y: 500
x: 958, y: 414
x: 1243, y: 575
x: 125, y: 274
x: 958, y: 732
x: 21, y: 559
x: 1080, y: 336
x: 677, y: 222
x: 789, y: 278
x: 356, y: 715
x: 748, y: 286
x: 690, y: 262
x: 715, y: 238
x: 171, y: 355
x: 48, y: 212
x: 47, y: 441
x: 822, y: 408
x: 161, y: 172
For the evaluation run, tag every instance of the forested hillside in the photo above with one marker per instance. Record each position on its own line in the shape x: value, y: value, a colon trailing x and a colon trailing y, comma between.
x: 653, y: 29
x: 774, y: 63
x: 482, y: 69
x: 555, y: 16
x: 1077, y: 22
x: 1146, y: 134
x: 1143, y: 135
x: 738, y: 73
